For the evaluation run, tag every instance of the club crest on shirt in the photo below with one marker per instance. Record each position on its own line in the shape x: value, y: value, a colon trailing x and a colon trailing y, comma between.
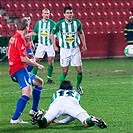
x: 12, y: 40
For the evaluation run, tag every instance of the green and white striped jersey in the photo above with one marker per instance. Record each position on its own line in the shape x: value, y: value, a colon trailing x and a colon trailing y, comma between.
x: 43, y: 30
x: 66, y: 93
x: 68, y: 33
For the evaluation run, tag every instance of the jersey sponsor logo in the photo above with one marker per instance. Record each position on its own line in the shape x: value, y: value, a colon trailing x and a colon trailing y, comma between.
x: 43, y: 34
x: 45, y: 29
x: 69, y: 36
x: 70, y: 39
x: 69, y: 33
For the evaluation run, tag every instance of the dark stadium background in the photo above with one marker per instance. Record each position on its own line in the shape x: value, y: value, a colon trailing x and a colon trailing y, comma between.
x: 103, y: 21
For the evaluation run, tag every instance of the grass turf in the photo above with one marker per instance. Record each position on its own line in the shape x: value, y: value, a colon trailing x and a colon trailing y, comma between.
x: 107, y: 86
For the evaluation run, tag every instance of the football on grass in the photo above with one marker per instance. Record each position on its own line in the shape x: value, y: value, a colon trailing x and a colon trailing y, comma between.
x: 128, y: 51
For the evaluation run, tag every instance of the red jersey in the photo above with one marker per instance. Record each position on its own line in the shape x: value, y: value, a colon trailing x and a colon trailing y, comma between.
x: 28, y: 39
x: 16, y: 49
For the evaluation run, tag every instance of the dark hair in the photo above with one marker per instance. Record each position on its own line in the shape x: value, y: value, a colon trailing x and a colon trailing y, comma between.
x: 66, y: 85
x: 22, y: 23
x: 27, y: 17
x: 67, y: 8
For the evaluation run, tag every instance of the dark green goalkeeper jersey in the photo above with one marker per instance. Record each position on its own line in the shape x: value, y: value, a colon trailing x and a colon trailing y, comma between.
x: 43, y: 30
x: 68, y: 33
x: 66, y: 93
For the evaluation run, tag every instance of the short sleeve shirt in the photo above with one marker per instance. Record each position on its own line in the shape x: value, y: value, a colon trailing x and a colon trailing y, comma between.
x: 43, y: 30
x: 16, y: 49
x: 68, y: 33
x: 66, y: 93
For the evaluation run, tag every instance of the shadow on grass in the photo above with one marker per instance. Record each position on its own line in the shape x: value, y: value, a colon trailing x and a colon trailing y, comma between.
x: 30, y: 129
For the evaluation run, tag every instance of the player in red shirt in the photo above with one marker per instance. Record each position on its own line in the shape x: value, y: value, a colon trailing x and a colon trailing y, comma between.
x: 18, y: 60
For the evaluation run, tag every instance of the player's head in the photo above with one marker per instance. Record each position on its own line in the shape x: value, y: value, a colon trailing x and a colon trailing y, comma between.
x: 28, y: 18
x: 131, y: 19
x: 22, y: 24
x: 45, y: 13
x: 68, y: 13
x: 66, y: 85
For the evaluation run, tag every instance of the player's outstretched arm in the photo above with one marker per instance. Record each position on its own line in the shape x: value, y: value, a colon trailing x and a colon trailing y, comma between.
x: 66, y: 120
x: 30, y: 34
x: 31, y: 62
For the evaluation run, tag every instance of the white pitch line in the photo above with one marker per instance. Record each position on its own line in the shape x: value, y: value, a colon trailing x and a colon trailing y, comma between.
x: 84, y: 86
x: 13, y: 92
x: 117, y: 83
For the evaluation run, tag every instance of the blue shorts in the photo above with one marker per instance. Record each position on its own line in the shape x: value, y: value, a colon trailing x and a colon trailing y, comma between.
x: 23, y: 77
x: 30, y: 52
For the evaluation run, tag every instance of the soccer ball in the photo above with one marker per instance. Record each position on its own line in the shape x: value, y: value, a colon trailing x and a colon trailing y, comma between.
x: 128, y: 50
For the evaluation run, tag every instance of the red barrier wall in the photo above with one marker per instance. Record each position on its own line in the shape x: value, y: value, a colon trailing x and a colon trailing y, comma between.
x: 98, y: 45
x: 105, y: 45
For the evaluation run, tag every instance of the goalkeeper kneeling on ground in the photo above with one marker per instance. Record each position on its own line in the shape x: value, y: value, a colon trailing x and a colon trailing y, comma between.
x: 65, y: 101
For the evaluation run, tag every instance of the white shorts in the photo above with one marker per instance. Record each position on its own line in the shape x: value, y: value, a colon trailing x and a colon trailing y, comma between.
x: 66, y: 106
x: 42, y: 49
x: 72, y: 56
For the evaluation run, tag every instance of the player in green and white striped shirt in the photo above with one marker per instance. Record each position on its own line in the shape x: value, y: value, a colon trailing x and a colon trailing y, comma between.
x: 70, y: 32
x: 65, y: 101
x: 66, y: 93
x: 43, y: 30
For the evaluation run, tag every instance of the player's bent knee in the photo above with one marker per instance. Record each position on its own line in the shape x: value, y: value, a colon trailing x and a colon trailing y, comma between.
x: 27, y: 91
x: 41, y: 82
x: 38, y: 82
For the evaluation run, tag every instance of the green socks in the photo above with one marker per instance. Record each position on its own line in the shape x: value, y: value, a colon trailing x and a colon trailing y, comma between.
x: 89, y: 123
x: 35, y: 69
x: 42, y: 123
x: 62, y: 77
x: 79, y: 79
x: 50, y: 71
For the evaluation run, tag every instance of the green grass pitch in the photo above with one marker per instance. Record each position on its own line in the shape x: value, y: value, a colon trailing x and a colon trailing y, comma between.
x: 107, y: 85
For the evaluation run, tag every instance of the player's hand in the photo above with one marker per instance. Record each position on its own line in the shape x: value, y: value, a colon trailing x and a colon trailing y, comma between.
x: 33, y: 34
x: 40, y: 67
x: 30, y: 34
x: 84, y: 49
x: 56, y: 48
x: 55, y: 121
